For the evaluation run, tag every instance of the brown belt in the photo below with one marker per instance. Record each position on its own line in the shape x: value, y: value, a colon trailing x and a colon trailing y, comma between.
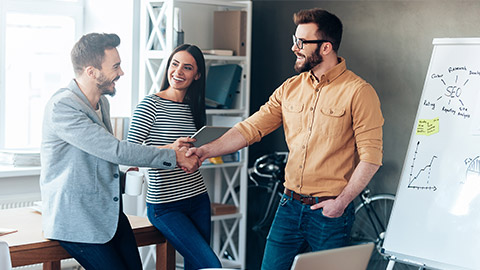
x: 308, y: 200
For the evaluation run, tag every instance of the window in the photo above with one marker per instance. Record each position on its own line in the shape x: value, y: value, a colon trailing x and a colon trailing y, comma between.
x: 37, y: 35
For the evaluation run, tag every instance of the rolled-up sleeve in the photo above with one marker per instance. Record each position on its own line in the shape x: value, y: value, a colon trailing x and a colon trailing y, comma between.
x: 267, y: 119
x: 367, y: 125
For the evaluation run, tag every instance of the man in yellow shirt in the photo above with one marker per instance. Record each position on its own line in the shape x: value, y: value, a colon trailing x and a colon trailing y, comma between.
x: 333, y: 128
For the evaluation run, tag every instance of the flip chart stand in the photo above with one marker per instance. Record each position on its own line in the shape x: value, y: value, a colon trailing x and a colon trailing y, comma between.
x: 434, y: 220
x: 391, y: 263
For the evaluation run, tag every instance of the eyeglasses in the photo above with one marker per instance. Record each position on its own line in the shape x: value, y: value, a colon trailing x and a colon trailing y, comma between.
x: 300, y: 42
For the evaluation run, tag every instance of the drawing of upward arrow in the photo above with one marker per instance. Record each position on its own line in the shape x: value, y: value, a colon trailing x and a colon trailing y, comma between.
x: 429, y: 166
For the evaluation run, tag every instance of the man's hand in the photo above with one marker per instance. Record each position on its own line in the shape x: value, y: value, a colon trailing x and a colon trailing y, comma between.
x: 359, y: 180
x: 229, y: 142
x: 331, y: 208
x: 188, y: 164
x: 199, y: 152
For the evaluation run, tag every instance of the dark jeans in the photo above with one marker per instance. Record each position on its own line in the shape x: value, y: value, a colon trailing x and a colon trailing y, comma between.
x: 117, y: 254
x: 297, y: 227
x: 186, y: 225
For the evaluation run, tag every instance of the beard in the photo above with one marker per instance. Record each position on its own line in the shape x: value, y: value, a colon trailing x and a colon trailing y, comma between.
x: 103, y: 84
x: 310, y: 61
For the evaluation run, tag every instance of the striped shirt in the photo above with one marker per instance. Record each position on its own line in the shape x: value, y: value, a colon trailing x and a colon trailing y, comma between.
x: 157, y: 122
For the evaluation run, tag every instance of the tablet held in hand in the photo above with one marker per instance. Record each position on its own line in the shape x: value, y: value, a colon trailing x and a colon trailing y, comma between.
x: 207, y: 134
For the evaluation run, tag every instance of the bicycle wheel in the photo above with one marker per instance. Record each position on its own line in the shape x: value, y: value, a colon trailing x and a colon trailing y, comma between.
x: 371, y: 220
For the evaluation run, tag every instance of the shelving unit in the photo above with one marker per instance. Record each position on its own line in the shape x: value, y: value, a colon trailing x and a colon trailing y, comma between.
x: 226, y: 183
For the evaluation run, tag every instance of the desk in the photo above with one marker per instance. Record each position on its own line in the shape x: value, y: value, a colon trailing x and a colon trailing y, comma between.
x: 27, y: 246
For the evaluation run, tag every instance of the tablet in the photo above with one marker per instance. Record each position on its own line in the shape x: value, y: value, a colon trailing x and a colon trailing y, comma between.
x: 207, y: 134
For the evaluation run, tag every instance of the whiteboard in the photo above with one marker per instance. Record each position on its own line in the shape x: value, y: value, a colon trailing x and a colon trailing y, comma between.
x: 435, y: 219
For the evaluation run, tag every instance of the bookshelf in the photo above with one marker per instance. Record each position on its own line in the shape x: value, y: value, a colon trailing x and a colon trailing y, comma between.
x: 160, y: 25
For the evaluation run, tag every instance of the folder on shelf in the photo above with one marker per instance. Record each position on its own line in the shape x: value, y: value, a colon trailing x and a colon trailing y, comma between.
x: 228, y: 158
x: 218, y: 52
x: 223, y: 209
x: 222, y: 83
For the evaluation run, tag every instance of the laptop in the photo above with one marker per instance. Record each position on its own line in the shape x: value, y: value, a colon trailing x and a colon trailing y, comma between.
x: 345, y: 258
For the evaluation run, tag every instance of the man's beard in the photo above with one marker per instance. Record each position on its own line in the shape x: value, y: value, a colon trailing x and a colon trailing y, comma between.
x: 310, y: 62
x: 103, y: 85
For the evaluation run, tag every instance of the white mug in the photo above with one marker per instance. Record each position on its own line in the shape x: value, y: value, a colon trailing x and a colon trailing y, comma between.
x: 134, y: 183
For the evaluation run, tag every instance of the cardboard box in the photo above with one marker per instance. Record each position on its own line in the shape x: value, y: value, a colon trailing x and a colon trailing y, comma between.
x: 230, y: 31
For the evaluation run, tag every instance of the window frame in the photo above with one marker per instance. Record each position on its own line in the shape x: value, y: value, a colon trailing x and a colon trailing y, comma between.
x: 74, y: 9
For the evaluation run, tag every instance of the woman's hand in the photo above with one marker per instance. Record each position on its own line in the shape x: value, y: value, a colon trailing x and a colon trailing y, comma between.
x: 182, y: 142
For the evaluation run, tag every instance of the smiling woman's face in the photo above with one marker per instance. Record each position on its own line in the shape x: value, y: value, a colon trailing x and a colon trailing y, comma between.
x: 182, y: 71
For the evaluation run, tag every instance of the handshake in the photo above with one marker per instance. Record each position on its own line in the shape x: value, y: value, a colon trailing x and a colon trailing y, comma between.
x: 189, y: 158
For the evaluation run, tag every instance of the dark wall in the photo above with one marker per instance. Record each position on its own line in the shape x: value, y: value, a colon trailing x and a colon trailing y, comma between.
x: 388, y: 43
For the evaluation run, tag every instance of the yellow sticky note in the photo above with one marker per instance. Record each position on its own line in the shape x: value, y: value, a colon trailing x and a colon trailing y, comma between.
x: 428, y: 126
x: 422, y: 127
x: 433, y: 126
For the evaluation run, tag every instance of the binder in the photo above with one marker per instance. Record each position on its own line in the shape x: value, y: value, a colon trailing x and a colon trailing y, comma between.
x: 222, y: 83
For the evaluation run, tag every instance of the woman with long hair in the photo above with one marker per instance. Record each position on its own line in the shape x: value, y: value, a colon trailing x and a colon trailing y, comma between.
x: 177, y: 203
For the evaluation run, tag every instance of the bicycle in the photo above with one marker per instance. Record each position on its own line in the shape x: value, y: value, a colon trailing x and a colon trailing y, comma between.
x: 272, y: 168
x: 266, y: 177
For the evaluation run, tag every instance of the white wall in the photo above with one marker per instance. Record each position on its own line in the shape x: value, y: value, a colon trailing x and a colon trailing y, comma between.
x: 119, y: 17
x: 21, y: 186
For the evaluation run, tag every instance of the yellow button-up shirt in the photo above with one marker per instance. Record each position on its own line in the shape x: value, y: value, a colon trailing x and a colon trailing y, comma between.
x: 329, y: 124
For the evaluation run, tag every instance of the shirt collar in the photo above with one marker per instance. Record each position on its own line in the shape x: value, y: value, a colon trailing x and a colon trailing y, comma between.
x: 331, y: 74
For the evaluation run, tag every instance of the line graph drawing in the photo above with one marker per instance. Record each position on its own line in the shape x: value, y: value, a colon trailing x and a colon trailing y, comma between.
x: 422, y: 174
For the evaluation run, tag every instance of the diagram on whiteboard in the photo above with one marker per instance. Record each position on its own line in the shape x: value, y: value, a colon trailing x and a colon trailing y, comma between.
x: 452, y: 86
x: 439, y: 190
x: 473, y: 169
x: 420, y: 175
x: 470, y: 187
x: 453, y: 91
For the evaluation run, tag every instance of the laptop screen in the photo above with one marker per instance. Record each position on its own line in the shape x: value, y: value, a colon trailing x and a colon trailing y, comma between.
x: 345, y: 258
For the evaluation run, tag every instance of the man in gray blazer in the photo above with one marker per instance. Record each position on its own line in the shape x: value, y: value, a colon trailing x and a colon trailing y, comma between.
x: 80, y: 177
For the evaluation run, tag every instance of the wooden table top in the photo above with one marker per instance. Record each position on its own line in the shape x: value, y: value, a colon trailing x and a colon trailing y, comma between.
x: 28, y: 222
x: 28, y: 246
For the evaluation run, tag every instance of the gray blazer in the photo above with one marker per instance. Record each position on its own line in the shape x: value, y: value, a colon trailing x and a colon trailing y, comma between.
x: 80, y: 178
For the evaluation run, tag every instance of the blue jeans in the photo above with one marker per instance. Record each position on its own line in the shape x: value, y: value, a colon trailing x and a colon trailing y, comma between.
x: 296, y: 227
x: 186, y: 224
x: 117, y: 254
